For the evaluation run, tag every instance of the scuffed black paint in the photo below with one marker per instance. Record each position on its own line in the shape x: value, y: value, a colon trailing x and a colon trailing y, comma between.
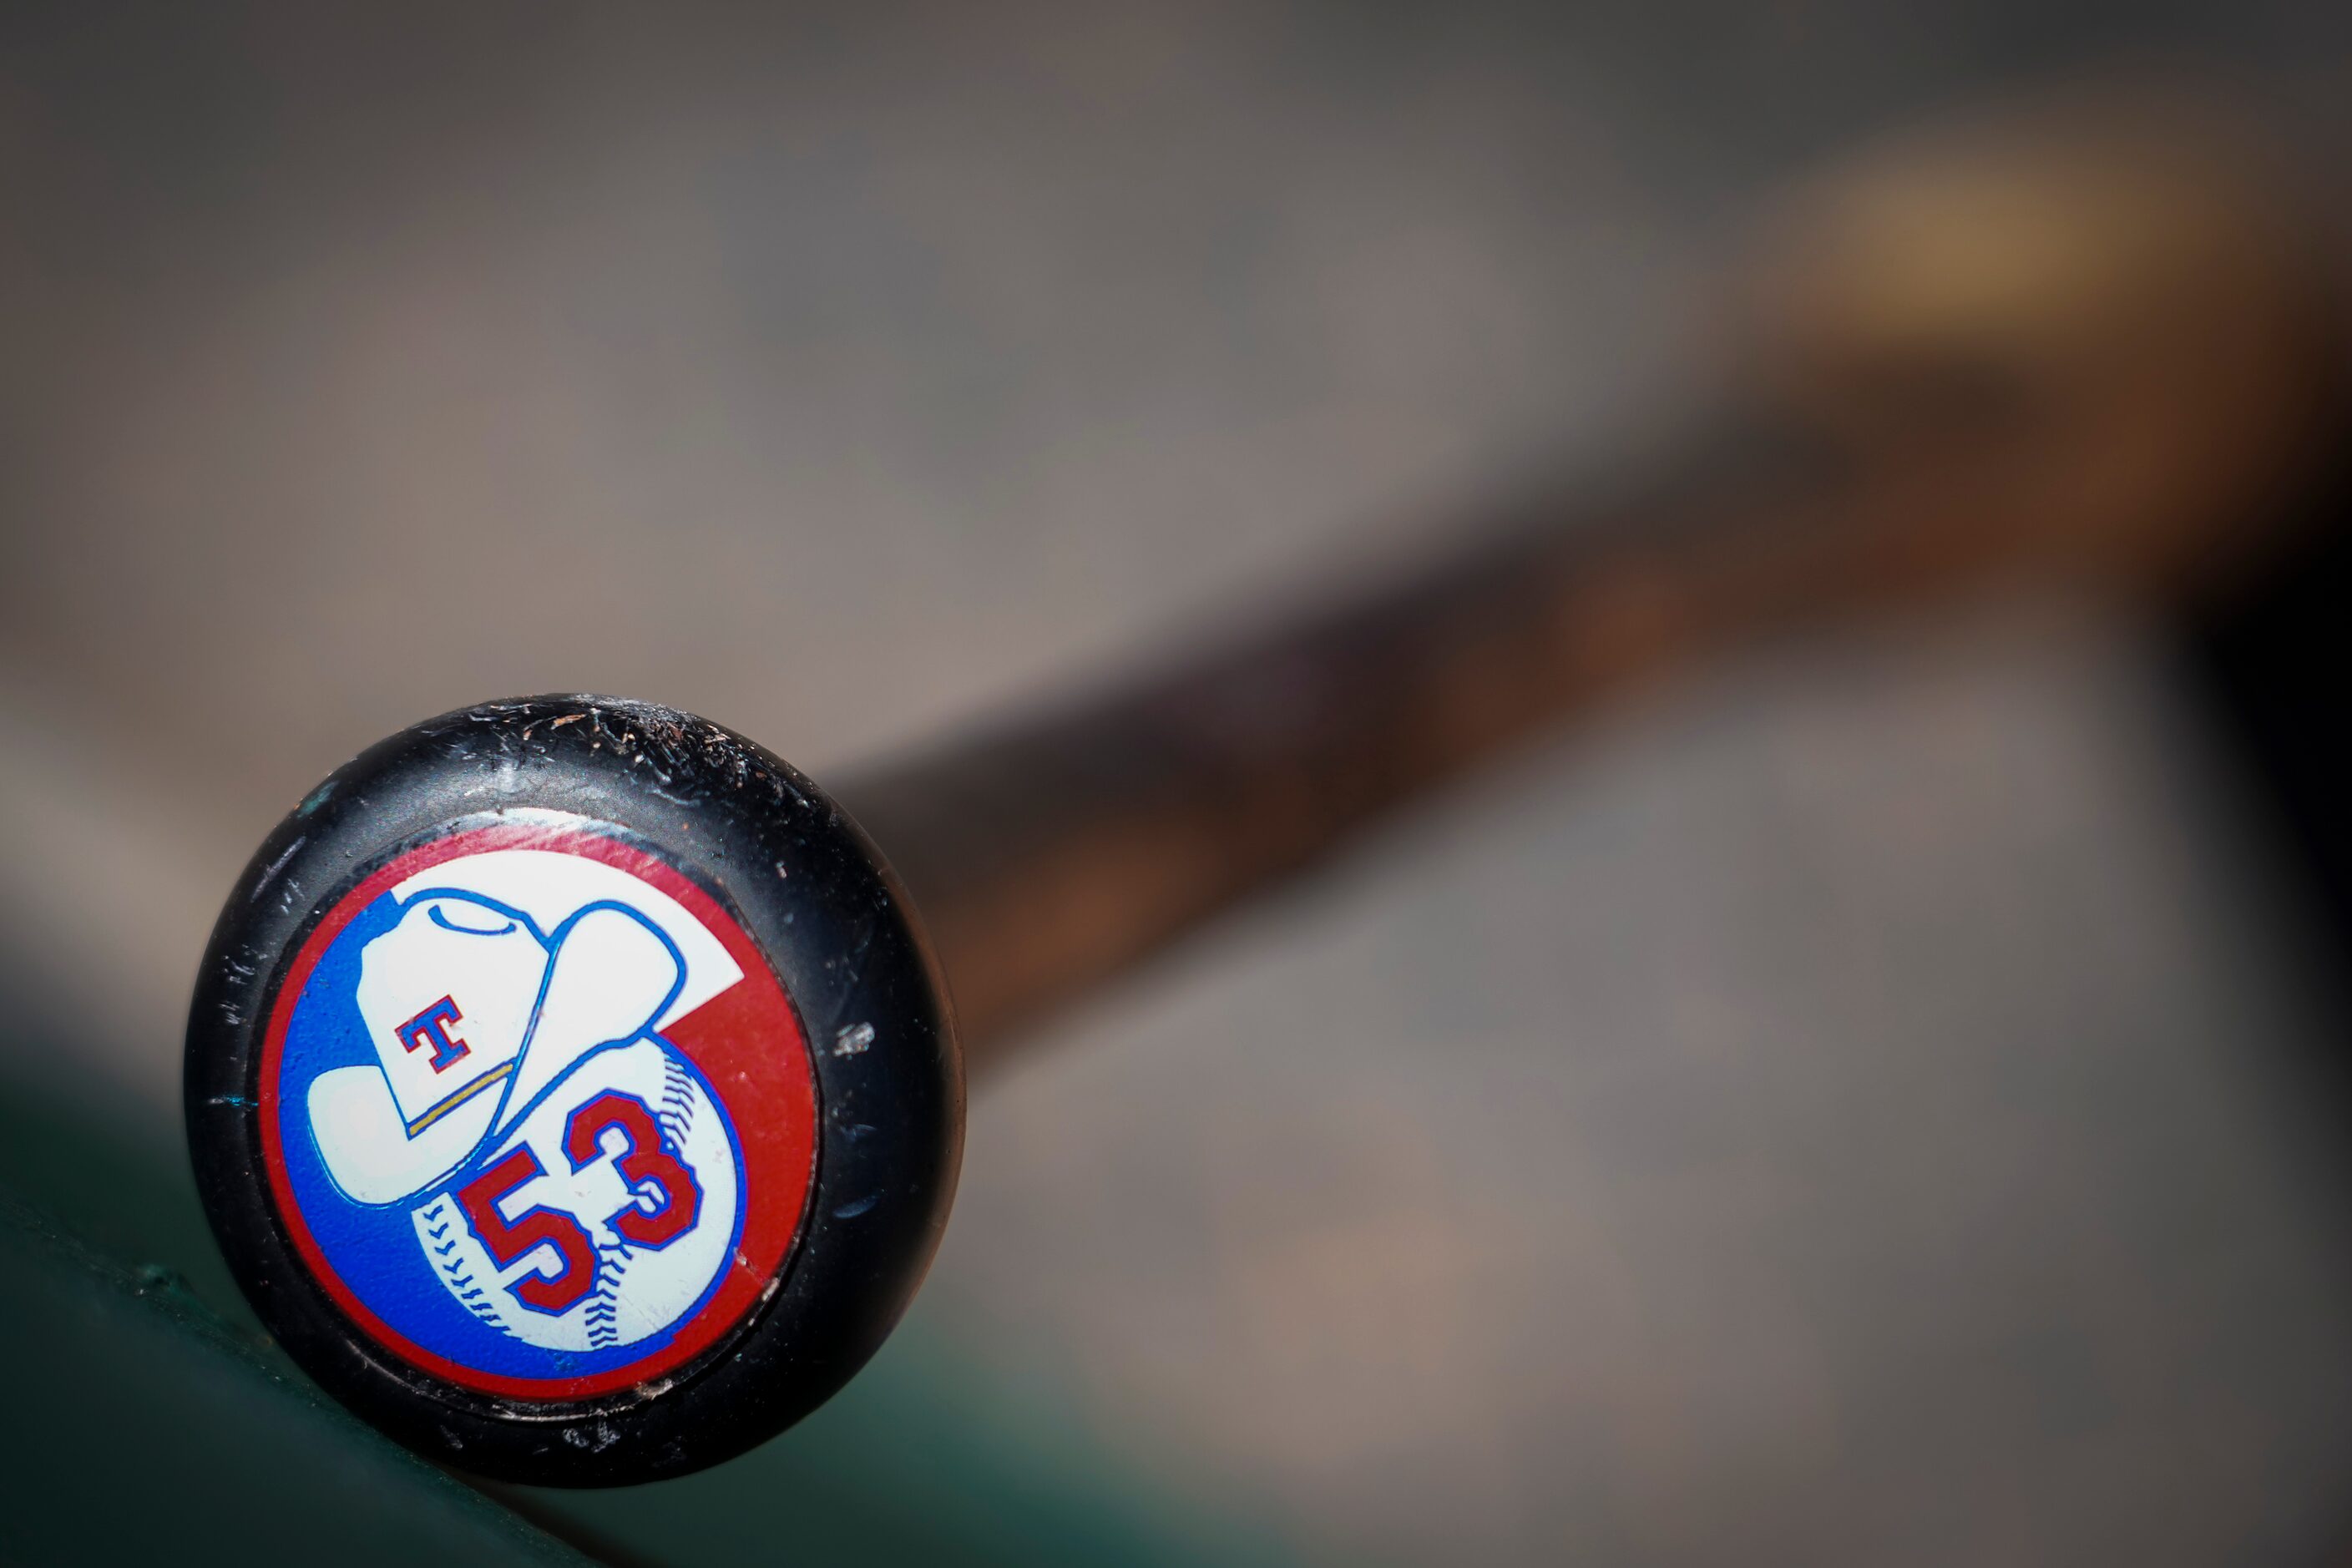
x: 841, y: 940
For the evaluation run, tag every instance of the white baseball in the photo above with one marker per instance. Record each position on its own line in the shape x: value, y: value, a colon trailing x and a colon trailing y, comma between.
x: 639, y: 1290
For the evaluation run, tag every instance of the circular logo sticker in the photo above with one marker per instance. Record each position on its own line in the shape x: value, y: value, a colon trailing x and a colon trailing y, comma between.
x: 536, y: 1111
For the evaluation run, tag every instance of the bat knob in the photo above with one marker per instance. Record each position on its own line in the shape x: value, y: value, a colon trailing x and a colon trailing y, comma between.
x: 573, y: 1091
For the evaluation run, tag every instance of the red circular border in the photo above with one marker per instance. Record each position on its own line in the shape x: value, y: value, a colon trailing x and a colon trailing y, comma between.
x: 748, y: 1042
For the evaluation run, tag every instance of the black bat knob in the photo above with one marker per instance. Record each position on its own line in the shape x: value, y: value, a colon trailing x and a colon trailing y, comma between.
x: 573, y: 1091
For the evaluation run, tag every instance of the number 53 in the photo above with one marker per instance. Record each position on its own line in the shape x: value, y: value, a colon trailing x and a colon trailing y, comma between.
x: 651, y: 1172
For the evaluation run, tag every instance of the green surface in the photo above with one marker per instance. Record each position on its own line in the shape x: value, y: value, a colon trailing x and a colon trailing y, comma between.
x: 925, y: 1459
x: 143, y: 1427
x: 157, y: 1419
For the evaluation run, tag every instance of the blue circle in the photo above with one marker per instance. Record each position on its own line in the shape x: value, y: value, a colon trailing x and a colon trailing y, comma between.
x: 373, y: 1248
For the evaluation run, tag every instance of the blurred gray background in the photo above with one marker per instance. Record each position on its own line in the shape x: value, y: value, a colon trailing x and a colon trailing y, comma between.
x: 1858, y: 1107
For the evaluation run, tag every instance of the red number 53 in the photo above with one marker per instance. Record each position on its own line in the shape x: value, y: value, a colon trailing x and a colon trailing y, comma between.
x: 651, y: 1172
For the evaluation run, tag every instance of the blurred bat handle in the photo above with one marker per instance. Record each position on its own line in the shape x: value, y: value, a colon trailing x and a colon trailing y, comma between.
x: 2126, y: 398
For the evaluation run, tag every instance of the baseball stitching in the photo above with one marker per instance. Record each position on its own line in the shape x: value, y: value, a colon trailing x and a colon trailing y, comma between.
x: 437, y: 1230
x: 677, y: 1118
